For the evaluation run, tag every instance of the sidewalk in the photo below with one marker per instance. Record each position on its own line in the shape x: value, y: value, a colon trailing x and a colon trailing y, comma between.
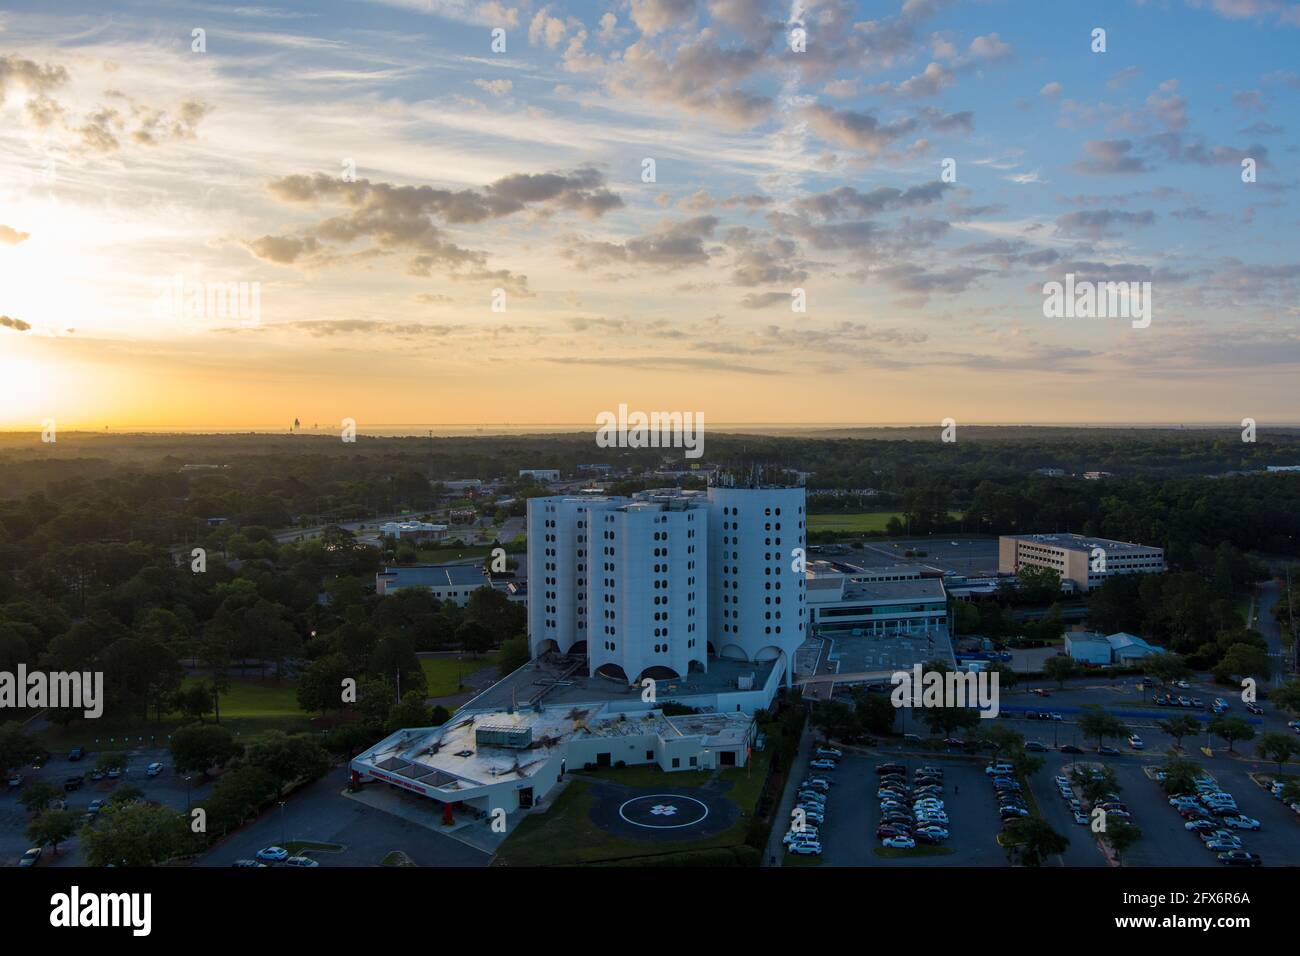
x: 775, y: 851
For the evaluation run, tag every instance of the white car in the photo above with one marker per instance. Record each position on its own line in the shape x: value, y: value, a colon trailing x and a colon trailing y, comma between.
x: 273, y: 854
x: 999, y: 769
x: 1081, y: 818
x: 805, y: 848
x: 1136, y: 742
x: 807, y: 833
x: 899, y: 842
x: 812, y: 816
x: 301, y: 861
x: 1242, y: 823
x: 823, y: 764
x: 829, y: 752
x: 153, y: 769
x: 932, y: 818
x: 1062, y: 782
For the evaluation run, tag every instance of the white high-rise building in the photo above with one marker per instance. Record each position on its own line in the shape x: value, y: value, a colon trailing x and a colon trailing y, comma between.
x: 757, y: 606
x: 651, y: 586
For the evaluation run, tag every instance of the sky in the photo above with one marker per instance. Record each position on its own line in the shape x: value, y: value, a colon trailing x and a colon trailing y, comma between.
x: 234, y: 216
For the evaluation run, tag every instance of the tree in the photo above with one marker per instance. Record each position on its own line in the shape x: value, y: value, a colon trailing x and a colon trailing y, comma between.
x: 111, y: 760
x: 1277, y: 748
x: 137, y: 834
x: 1031, y: 840
x: 201, y: 747
x: 945, y: 721
x: 502, y: 617
x: 242, y: 791
x: 514, y: 655
x: 1120, y: 835
x: 1243, y: 660
x: 411, y: 712
x: 1179, y: 727
x: 287, y: 757
x: 1232, y: 729
x: 1039, y: 585
x: 38, y: 796
x: 1095, y: 722
x: 1060, y: 668
x: 998, y: 739
x: 53, y: 827
x: 320, y: 688
x: 473, y: 637
x: 127, y: 793
x: 1180, y: 776
x: 1166, y: 668
x: 1095, y: 782
x: 16, y: 748
x: 194, y: 700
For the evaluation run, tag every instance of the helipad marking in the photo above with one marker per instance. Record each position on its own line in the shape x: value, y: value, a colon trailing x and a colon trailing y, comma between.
x: 667, y: 810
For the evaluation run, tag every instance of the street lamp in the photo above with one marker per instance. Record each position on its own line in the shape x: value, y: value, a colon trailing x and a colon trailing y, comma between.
x: 282, y: 838
x: 187, y: 794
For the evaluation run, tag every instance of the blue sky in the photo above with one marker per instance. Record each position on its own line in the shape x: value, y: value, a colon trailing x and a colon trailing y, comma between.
x: 515, y: 179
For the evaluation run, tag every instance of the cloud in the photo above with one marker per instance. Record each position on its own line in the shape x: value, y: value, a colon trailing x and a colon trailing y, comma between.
x: 495, y: 87
x: 1110, y: 157
x: 18, y: 325
x: 1100, y: 223
x: 669, y: 247
x: 846, y: 200
x: 11, y: 236
x: 19, y: 73
x: 655, y: 16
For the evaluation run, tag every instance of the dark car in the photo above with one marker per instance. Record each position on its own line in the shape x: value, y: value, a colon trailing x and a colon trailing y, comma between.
x: 73, y: 783
x: 76, y: 753
x: 1071, y: 749
x: 1035, y: 746
x: 1255, y: 709
x: 1240, y: 858
x: 890, y: 768
x: 30, y: 857
x: 41, y: 760
x: 1108, y: 751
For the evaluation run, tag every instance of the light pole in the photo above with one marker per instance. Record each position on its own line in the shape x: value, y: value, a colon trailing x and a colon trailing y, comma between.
x: 282, y: 837
x: 188, y: 778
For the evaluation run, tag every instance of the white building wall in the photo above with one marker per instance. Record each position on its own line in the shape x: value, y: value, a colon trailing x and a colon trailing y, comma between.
x: 756, y: 598
x: 647, y: 579
x: 558, y: 532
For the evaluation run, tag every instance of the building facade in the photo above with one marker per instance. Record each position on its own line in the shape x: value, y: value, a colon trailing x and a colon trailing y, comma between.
x: 1086, y: 561
x: 655, y: 584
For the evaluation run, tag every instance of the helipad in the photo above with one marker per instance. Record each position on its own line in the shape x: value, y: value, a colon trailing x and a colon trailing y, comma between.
x: 663, y: 811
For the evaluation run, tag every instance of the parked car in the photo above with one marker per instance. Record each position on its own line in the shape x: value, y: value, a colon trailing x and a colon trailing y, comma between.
x: 823, y: 763
x: 999, y: 769
x: 1081, y: 818
x: 15, y: 781
x: 1242, y: 823
x: 1070, y: 749
x: 301, y: 861
x: 1240, y: 858
x: 829, y: 752
x: 31, y: 857
x: 805, y: 848
x: 73, y: 783
x: 1035, y: 746
x: 247, y: 864
x: 1135, y: 742
x: 76, y: 753
x: 899, y: 842
x: 153, y: 769
x: 1108, y: 751
x: 1201, y: 826
x: 1255, y: 709
x: 273, y: 854
x: 882, y: 768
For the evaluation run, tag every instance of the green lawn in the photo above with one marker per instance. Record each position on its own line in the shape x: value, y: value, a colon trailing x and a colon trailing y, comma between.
x: 248, y: 707
x: 565, y: 835
x: 859, y: 522
x: 441, y: 672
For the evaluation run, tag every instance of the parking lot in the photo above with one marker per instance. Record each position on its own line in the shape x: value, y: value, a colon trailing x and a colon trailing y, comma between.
x: 853, y: 813
x: 967, y: 555
x: 862, y: 654
x: 166, y: 789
